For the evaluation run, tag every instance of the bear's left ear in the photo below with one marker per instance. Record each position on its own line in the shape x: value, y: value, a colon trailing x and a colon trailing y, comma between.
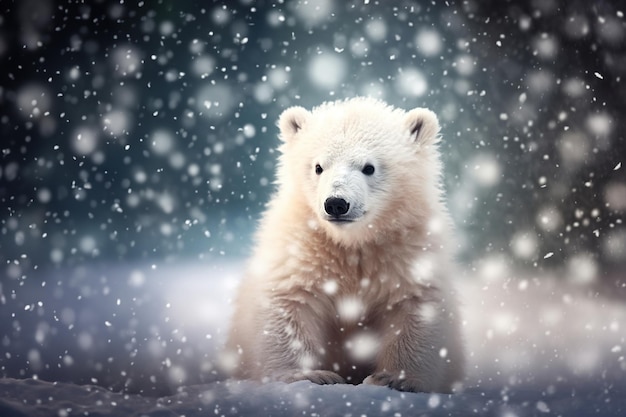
x: 423, y: 126
x: 291, y: 121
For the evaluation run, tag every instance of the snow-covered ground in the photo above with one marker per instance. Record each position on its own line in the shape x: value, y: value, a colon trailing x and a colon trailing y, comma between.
x: 149, y: 334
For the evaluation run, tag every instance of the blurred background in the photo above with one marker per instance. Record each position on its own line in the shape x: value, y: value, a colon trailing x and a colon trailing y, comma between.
x: 140, y: 135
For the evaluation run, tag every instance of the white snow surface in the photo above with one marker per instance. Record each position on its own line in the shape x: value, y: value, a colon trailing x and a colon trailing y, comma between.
x: 231, y: 398
x: 535, y: 347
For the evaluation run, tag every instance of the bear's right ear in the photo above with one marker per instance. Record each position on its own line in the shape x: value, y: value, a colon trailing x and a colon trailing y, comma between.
x: 291, y: 121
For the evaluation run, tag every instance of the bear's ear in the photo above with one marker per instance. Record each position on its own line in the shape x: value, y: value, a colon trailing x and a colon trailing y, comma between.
x: 291, y: 121
x: 423, y: 126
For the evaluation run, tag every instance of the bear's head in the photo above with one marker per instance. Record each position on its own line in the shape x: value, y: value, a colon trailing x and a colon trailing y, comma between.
x: 364, y: 170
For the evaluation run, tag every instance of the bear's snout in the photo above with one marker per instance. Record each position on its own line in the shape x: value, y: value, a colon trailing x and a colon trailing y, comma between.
x: 336, y: 207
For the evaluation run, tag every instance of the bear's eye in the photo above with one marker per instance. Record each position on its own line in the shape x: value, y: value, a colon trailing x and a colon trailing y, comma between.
x: 318, y: 169
x: 368, y: 169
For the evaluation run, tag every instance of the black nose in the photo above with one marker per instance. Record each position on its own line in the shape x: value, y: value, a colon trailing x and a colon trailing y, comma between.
x: 336, y: 206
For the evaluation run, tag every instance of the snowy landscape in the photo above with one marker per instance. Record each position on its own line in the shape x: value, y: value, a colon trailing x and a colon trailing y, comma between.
x: 138, y: 149
x: 532, y: 351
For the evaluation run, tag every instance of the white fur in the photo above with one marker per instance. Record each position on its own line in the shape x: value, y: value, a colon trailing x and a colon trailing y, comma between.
x: 317, y: 293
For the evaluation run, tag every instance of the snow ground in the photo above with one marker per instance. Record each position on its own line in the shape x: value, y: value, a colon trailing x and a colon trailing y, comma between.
x: 42, y: 399
x: 535, y: 346
x: 37, y: 398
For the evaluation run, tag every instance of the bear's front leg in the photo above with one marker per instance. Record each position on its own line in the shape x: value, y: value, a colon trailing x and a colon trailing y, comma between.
x: 293, y: 343
x: 410, y: 358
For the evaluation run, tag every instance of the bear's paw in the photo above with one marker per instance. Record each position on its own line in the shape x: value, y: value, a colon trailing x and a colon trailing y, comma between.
x: 395, y: 380
x: 318, y: 376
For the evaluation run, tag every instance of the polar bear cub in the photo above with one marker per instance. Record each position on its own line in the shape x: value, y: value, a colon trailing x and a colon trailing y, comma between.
x: 349, y: 280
